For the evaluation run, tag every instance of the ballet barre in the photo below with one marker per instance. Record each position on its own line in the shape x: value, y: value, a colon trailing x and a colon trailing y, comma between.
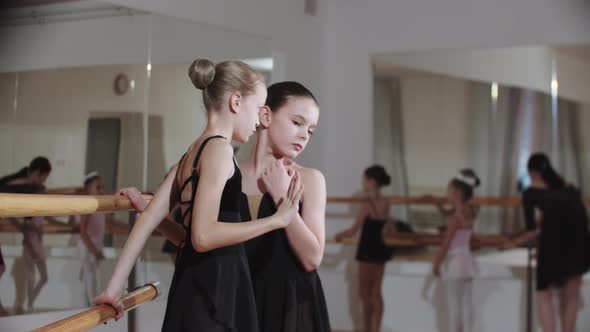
x: 27, y: 205
x: 420, y: 200
x: 33, y: 205
x: 421, y: 239
x: 97, y: 315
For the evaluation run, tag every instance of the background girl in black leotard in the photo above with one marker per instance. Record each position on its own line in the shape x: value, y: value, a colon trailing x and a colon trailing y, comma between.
x: 372, y: 253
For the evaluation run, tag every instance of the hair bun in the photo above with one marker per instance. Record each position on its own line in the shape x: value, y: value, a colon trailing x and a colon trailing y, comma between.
x: 201, y: 73
x: 386, y: 180
x: 379, y: 174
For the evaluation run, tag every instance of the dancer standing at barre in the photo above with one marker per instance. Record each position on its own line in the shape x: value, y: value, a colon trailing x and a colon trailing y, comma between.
x: 564, y: 242
x: 211, y: 289
x: 372, y: 253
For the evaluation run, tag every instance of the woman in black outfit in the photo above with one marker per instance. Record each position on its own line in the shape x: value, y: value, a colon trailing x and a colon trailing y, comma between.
x: 564, y: 241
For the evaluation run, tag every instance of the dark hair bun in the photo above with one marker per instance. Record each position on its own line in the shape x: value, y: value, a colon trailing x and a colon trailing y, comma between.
x: 201, y: 73
x: 379, y: 174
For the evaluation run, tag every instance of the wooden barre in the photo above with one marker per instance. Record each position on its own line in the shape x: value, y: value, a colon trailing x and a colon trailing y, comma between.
x: 31, y: 205
x: 416, y: 200
x: 28, y: 205
x: 427, y: 239
x: 94, y: 316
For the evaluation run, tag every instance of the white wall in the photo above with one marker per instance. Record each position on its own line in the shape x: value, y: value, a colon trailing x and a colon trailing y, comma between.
x: 7, y: 98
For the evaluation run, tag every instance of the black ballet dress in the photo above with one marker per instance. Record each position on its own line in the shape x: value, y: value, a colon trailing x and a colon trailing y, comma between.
x: 288, y: 298
x: 371, y: 247
x: 212, y: 291
x: 169, y: 247
x: 564, y: 243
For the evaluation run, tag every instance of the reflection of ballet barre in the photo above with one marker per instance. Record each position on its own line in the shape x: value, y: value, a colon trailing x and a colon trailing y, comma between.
x: 31, y: 205
x: 101, y: 314
x: 428, y: 239
x: 416, y: 200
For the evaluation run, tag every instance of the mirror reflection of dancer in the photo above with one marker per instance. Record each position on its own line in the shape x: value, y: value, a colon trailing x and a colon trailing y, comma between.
x: 91, y: 239
x: 30, y: 180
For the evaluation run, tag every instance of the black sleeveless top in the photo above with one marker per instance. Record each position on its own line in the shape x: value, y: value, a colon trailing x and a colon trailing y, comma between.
x: 371, y: 247
x: 564, y: 242
x: 211, y: 291
x: 288, y: 298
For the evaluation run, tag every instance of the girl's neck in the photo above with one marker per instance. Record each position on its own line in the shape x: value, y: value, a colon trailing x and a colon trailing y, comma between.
x: 218, y: 124
x: 262, y: 154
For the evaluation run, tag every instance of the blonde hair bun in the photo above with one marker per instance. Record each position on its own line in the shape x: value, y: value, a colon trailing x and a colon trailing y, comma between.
x: 201, y: 73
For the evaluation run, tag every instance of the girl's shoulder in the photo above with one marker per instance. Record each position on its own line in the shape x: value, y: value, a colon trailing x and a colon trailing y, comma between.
x: 308, y: 175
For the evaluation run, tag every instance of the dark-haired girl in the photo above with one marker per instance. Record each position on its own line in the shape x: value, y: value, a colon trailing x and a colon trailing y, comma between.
x: 30, y: 180
x: 288, y: 291
x: 372, y: 253
x: 564, y: 242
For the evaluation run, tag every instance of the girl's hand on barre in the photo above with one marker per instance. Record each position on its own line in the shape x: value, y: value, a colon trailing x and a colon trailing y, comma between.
x: 111, y: 300
x: 134, y: 195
